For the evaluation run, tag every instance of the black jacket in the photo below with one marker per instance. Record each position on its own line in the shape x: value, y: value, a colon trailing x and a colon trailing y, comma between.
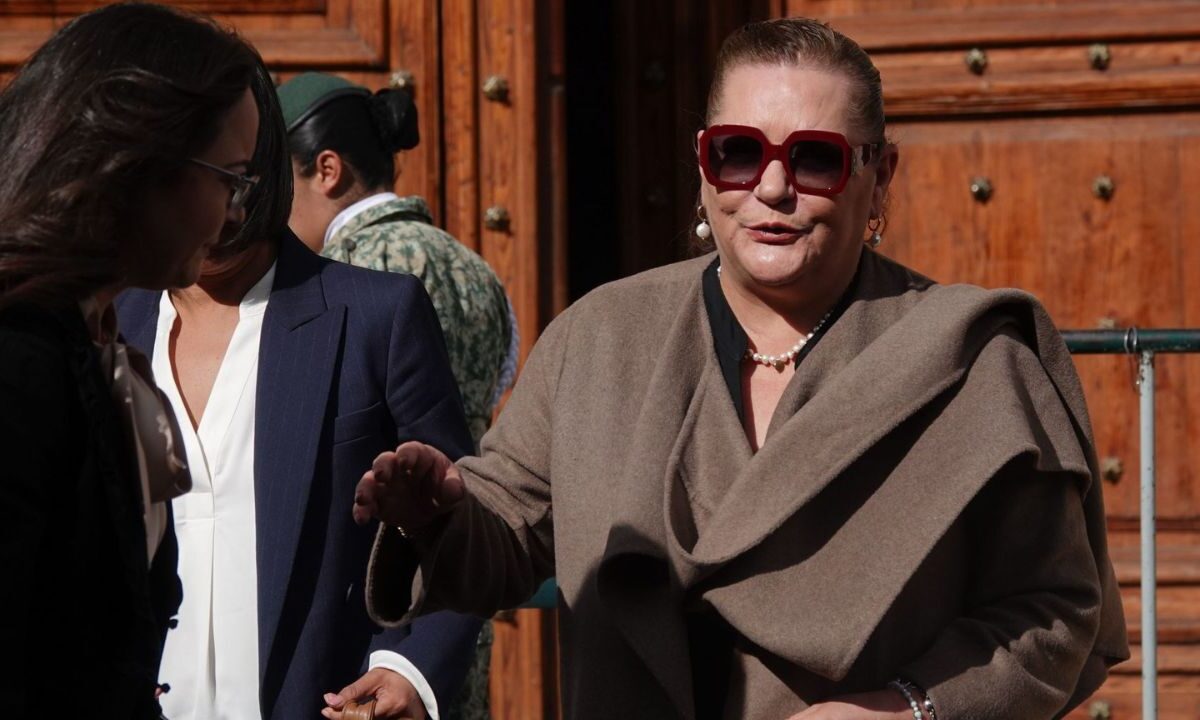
x: 82, y: 618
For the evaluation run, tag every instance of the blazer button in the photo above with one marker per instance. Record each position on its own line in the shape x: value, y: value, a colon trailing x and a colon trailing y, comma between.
x: 349, y: 591
x: 351, y: 245
x: 173, y: 623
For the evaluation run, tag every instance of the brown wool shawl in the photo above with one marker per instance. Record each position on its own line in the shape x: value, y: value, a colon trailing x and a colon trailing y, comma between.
x: 922, y: 506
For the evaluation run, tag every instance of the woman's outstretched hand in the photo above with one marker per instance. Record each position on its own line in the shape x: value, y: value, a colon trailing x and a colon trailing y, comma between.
x: 408, y: 488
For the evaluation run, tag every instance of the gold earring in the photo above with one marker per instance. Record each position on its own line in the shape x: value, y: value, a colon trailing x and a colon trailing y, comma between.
x: 875, y: 225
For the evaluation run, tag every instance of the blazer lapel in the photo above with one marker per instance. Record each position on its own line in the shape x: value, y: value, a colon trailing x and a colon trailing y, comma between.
x: 297, y: 357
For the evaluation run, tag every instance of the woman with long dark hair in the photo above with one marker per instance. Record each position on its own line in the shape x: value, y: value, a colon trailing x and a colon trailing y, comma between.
x: 130, y: 147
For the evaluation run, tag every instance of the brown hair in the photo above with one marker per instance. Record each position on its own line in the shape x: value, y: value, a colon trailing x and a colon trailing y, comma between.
x: 790, y: 41
x: 113, y: 104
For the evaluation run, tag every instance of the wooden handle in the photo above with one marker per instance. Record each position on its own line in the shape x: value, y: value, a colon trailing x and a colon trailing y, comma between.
x: 354, y: 711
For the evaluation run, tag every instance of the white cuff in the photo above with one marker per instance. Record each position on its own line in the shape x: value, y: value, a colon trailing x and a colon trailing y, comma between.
x: 397, y: 663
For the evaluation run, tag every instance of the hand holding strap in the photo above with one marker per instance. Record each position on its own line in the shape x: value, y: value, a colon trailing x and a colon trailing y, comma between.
x: 355, y: 711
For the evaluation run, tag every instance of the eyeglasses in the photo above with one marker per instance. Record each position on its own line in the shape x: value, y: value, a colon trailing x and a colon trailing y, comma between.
x: 734, y: 157
x: 241, y: 184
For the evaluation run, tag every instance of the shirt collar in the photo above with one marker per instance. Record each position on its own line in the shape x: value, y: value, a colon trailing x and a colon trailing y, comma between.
x: 348, y: 214
x: 255, y: 300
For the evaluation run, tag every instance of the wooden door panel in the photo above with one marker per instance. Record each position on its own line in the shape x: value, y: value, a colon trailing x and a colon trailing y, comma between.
x: 1039, y: 79
x: 1178, y: 556
x: 499, y: 153
x: 1178, y: 614
x: 1032, y: 63
x: 212, y: 7
x: 460, y: 81
x: 348, y: 34
x: 19, y: 37
x: 514, y: 140
x: 914, y: 24
x: 659, y: 96
x: 523, y: 682
x: 1130, y: 259
x: 415, y: 48
x: 1121, y: 697
x: 70, y: 8
x: 1173, y: 660
x: 304, y: 33
x: 26, y: 7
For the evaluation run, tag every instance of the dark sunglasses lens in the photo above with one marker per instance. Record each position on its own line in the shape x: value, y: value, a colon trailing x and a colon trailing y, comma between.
x: 817, y: 164
x: 735, y: 158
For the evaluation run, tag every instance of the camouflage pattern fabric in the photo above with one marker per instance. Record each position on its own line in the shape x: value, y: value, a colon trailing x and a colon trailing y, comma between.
x: 399, y: 236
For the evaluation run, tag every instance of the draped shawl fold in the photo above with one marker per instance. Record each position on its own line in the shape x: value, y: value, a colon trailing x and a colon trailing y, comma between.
x: 923, y: 505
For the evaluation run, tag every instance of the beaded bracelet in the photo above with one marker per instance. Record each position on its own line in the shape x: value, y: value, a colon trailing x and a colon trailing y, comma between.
x: 908, y: 697
x: 906, y: 688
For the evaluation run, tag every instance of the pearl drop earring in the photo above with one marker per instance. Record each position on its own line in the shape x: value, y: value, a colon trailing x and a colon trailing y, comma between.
x: 703, y: 229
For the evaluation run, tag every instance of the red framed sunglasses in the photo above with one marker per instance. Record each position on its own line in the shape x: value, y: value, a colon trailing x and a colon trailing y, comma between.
x: 734, y: 157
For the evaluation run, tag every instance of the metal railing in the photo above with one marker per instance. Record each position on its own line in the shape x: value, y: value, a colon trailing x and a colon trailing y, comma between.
x: 1145, y: 344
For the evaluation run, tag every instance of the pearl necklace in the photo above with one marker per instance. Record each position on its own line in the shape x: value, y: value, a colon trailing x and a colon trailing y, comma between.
x: 781, y: 361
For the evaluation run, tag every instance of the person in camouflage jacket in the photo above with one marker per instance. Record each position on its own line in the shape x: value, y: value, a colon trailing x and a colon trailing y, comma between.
x: 398, y: 235
x: 342, y: 140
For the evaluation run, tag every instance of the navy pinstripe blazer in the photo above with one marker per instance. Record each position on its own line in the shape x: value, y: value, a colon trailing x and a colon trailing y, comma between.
x: 351, y: 362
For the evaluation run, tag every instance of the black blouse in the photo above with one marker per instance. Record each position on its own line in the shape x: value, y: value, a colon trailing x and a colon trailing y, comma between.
x: 730, y: 340
x: 711, y: 640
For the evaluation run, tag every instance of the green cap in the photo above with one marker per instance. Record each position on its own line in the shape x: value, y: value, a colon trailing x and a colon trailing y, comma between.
x: 304, y: 94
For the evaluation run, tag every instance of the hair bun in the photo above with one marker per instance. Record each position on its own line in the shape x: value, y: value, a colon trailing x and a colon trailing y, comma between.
x: 395, y: 116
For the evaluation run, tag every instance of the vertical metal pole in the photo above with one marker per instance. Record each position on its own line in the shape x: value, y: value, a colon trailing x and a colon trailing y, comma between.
x: 1149, y: 561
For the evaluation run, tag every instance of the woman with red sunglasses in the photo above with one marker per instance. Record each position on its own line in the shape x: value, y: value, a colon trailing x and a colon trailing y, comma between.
x: 791, y: 478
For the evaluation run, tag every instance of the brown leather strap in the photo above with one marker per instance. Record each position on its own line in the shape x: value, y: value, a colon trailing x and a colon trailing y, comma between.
x: 354, y: 711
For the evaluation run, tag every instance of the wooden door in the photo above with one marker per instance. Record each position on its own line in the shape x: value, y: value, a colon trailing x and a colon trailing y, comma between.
x: 503, y: 125
x: 638, y: 76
